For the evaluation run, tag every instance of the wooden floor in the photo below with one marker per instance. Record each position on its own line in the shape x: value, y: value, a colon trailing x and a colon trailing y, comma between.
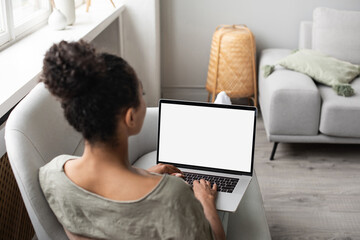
x: 310, y: 191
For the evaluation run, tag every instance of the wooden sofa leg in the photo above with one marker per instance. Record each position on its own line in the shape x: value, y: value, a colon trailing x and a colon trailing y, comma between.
x: 273, y: 151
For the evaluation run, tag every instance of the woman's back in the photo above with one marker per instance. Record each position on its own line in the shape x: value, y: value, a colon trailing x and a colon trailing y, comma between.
x: 169, y: 211
x: 109, y: 178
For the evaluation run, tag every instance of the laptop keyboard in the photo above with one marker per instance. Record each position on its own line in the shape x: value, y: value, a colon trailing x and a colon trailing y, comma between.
x: 224, y: 184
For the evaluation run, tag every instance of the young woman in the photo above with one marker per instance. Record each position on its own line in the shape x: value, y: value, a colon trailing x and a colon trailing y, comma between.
x: 100, y: 195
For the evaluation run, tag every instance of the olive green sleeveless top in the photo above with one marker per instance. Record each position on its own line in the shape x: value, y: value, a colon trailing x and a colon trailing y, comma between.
x: 169, y: 211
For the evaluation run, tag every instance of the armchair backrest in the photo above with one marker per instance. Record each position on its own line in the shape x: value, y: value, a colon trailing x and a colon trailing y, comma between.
x: 35, y: 133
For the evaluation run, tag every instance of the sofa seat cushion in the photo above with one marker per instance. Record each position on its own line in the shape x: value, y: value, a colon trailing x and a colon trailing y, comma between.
x: 340, y: 116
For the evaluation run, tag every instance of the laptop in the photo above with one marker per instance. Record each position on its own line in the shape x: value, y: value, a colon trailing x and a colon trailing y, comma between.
x: 211, y: 141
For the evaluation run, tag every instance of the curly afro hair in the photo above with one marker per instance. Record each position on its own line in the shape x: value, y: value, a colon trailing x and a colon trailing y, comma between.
x: 94, y: 89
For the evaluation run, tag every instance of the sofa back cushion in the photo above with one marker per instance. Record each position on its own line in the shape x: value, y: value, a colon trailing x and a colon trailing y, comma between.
x: 305, y: 35
x: 337, y: 33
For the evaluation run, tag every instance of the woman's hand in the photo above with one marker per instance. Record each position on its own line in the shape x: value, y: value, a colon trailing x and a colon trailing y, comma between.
x: 204, y: 192
x: 166, y: 169
x: 207, y: 195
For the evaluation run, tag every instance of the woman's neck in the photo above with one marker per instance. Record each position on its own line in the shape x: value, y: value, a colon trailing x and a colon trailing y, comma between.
x: 107, y: 155
x: 102, y: 169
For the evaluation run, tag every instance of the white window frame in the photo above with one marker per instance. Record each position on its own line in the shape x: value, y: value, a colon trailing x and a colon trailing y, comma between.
x: 4, y: 36
x: 12, y: 33
x: 40, y: 17
x: 33, y: 23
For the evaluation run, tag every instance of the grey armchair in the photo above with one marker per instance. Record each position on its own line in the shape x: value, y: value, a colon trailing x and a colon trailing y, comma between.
x: 36, y: 132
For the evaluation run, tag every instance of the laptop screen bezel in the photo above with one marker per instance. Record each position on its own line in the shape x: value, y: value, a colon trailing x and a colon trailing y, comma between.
x: 212, y: 105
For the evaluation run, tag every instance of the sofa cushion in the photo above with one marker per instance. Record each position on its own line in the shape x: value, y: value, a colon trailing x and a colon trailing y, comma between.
x: 324, y: 69
x: 340, y: 116
x: 337, y: 34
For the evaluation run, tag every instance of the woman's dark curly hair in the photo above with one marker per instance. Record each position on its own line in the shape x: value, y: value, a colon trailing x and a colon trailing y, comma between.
x: 94, y: 89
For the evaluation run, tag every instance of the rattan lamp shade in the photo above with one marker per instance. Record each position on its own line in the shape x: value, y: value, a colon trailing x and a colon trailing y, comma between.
x: 232, y: 63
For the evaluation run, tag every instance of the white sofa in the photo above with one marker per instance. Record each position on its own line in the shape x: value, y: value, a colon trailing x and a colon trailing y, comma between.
x: 298, y: 110
x: 37, y: 131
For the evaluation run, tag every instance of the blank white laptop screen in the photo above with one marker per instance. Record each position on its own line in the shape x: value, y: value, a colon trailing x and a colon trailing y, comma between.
x: 211, y: 137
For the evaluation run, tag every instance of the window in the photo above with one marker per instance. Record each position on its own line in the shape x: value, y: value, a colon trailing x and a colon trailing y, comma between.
x: 27, y: 10
x: 29, y: 13
x: 4, y: 35
x: 18, y: 17
x: 2, y: 29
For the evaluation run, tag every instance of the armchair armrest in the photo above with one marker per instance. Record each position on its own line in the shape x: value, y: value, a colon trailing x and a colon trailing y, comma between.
x: 146, y: 140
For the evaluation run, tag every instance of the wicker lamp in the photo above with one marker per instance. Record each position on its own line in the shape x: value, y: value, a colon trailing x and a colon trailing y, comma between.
x: 232, y: 63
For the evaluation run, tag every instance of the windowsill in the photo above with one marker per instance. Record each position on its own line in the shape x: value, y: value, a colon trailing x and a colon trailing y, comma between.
x: 21, y: 63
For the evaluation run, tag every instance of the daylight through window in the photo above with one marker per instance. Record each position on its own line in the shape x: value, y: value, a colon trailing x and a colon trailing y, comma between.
x: 19, y: 17
x: 4, y: 34
x: 2, y: 29
x: 25, y: 10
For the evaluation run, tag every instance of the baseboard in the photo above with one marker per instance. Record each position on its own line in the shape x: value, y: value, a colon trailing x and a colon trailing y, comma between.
x: 195, y: 94
x: 191, y: 94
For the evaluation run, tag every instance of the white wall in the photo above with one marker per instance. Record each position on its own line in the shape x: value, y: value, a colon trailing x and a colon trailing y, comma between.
x: 108, y: 40
x: 187, y: 27
x: 142, y: 44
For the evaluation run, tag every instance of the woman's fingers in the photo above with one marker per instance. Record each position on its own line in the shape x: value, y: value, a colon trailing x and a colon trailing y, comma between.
x: 203, y: 182
x: 174, y: 169
x: 170, y: 169
x: 178, y: 175
x: 164, y: 168
x: 206, y: 184
x: 203, y: 190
